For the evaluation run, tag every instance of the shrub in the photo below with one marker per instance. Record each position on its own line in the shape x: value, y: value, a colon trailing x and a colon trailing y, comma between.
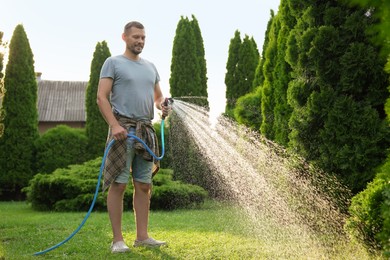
x: 384, y: 234
x: 73, y: 188
x: 60, y: 147
x: 175, y: 195
x: 248, y: 110
x: 49, y: 191
x: 369, y: 222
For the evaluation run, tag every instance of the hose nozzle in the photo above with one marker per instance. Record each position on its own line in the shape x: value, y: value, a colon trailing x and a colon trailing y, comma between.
x: 167, y: 102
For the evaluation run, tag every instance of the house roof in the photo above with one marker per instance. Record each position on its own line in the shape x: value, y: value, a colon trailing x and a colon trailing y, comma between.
x: 61, y: 101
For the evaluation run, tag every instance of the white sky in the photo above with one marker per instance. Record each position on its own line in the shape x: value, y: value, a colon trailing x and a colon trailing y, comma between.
x: 63, y: 34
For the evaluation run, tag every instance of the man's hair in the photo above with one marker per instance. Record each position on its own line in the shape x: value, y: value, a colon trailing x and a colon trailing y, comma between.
x: 133, y: 24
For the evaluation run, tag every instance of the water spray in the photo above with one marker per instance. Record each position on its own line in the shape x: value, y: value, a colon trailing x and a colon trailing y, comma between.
x: 167, y: 102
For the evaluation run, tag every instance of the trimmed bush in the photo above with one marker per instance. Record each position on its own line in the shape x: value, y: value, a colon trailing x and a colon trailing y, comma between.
x: 59, y: 147
x: 369, y: 222
x: 176, y: 195
x: 73, y: 188
x: 247, y: 110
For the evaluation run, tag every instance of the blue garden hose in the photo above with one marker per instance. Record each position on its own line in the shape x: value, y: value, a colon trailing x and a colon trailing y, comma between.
x: 99, y: 179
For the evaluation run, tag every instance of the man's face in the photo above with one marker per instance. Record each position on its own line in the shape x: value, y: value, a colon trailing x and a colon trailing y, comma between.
x: 135, y: 40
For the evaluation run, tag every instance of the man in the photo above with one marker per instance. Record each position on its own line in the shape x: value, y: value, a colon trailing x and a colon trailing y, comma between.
x: 127, y: 93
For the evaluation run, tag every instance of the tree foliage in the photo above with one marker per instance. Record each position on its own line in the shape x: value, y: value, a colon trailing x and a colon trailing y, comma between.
x: 188, y: 67
x: 281, y: 78
x: 2, y: 89
x: 248, y: 107
x: 241, y: 66
x: 96, y: 126
x: 259, y: 75
x: 200, y: 53
x: 21, y: 118
x: 268, y: 96
x: 369, y: 220
x: 231, y: 76
x: 337, y: 92
x: 247, y: 110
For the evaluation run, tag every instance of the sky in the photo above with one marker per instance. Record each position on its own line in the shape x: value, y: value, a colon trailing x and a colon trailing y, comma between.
x: 63, y: 34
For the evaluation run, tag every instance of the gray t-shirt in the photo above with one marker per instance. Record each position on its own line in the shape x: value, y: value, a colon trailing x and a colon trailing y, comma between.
x: 132, y: 92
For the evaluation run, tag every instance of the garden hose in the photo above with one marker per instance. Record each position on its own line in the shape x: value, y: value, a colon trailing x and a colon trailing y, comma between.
x: 100, y: 177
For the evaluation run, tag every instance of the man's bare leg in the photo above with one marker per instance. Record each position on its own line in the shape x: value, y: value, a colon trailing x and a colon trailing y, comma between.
x: 141, y: 203
x: 115, y: 209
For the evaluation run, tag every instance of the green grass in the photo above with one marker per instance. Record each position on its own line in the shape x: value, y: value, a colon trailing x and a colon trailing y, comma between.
x: 214, y: 231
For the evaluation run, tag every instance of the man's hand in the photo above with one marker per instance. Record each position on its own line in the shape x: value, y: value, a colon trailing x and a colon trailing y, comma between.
x: 165, y: 109
x: 118, y: 132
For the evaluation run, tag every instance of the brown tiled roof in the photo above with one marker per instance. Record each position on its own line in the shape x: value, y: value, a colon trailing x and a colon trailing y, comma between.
x: 61, y: 101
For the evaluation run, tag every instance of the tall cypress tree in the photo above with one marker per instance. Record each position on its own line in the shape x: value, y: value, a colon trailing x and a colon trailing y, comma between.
x: 21, y: 118
x: 281, y: 77
x: 187, y: 68
x: 248, y: 107
x: 200, y: 53
x: 231, y: 76
x: 188, y: 78
x: 268, y: 96
x: 96, y: 127
x: 338, y: 91
x: 259, y: 75
x: 381, y: 32
x: 246, y: 67
x: 175, y: 81
x: 241, y: 67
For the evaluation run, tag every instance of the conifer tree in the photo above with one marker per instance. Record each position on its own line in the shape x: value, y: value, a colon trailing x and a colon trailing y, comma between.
x: 241, y: 67
x: 281, y: 77
x: 268, y: 96
x: 381, y: 32
x: 246, y: 67
x: 231, y: 76
x: 188, y: 66
x: 21, y: 118
x: 338, y: 90
x: 248, y: 107
x: 96, y: 126
x: 200, y: 53
x: 259, y: 75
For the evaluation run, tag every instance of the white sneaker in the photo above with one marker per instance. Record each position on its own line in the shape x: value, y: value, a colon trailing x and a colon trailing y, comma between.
x: 119, y: 247
x: 149, y: 242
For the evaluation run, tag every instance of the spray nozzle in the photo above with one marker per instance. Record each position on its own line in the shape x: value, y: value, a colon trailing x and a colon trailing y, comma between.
x: 167, y: 102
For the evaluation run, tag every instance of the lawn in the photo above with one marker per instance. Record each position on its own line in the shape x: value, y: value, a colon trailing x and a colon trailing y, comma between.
x: 214, y: 231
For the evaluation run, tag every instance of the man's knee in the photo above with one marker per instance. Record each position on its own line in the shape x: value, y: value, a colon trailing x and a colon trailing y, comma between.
x: 118, y: 188
x: 142, y: 187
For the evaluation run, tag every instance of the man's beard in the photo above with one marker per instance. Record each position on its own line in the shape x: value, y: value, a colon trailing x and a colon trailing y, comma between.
x: 135, y: 51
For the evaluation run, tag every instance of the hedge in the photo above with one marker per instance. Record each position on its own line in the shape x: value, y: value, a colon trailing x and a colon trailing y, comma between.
x: 73, y: 188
